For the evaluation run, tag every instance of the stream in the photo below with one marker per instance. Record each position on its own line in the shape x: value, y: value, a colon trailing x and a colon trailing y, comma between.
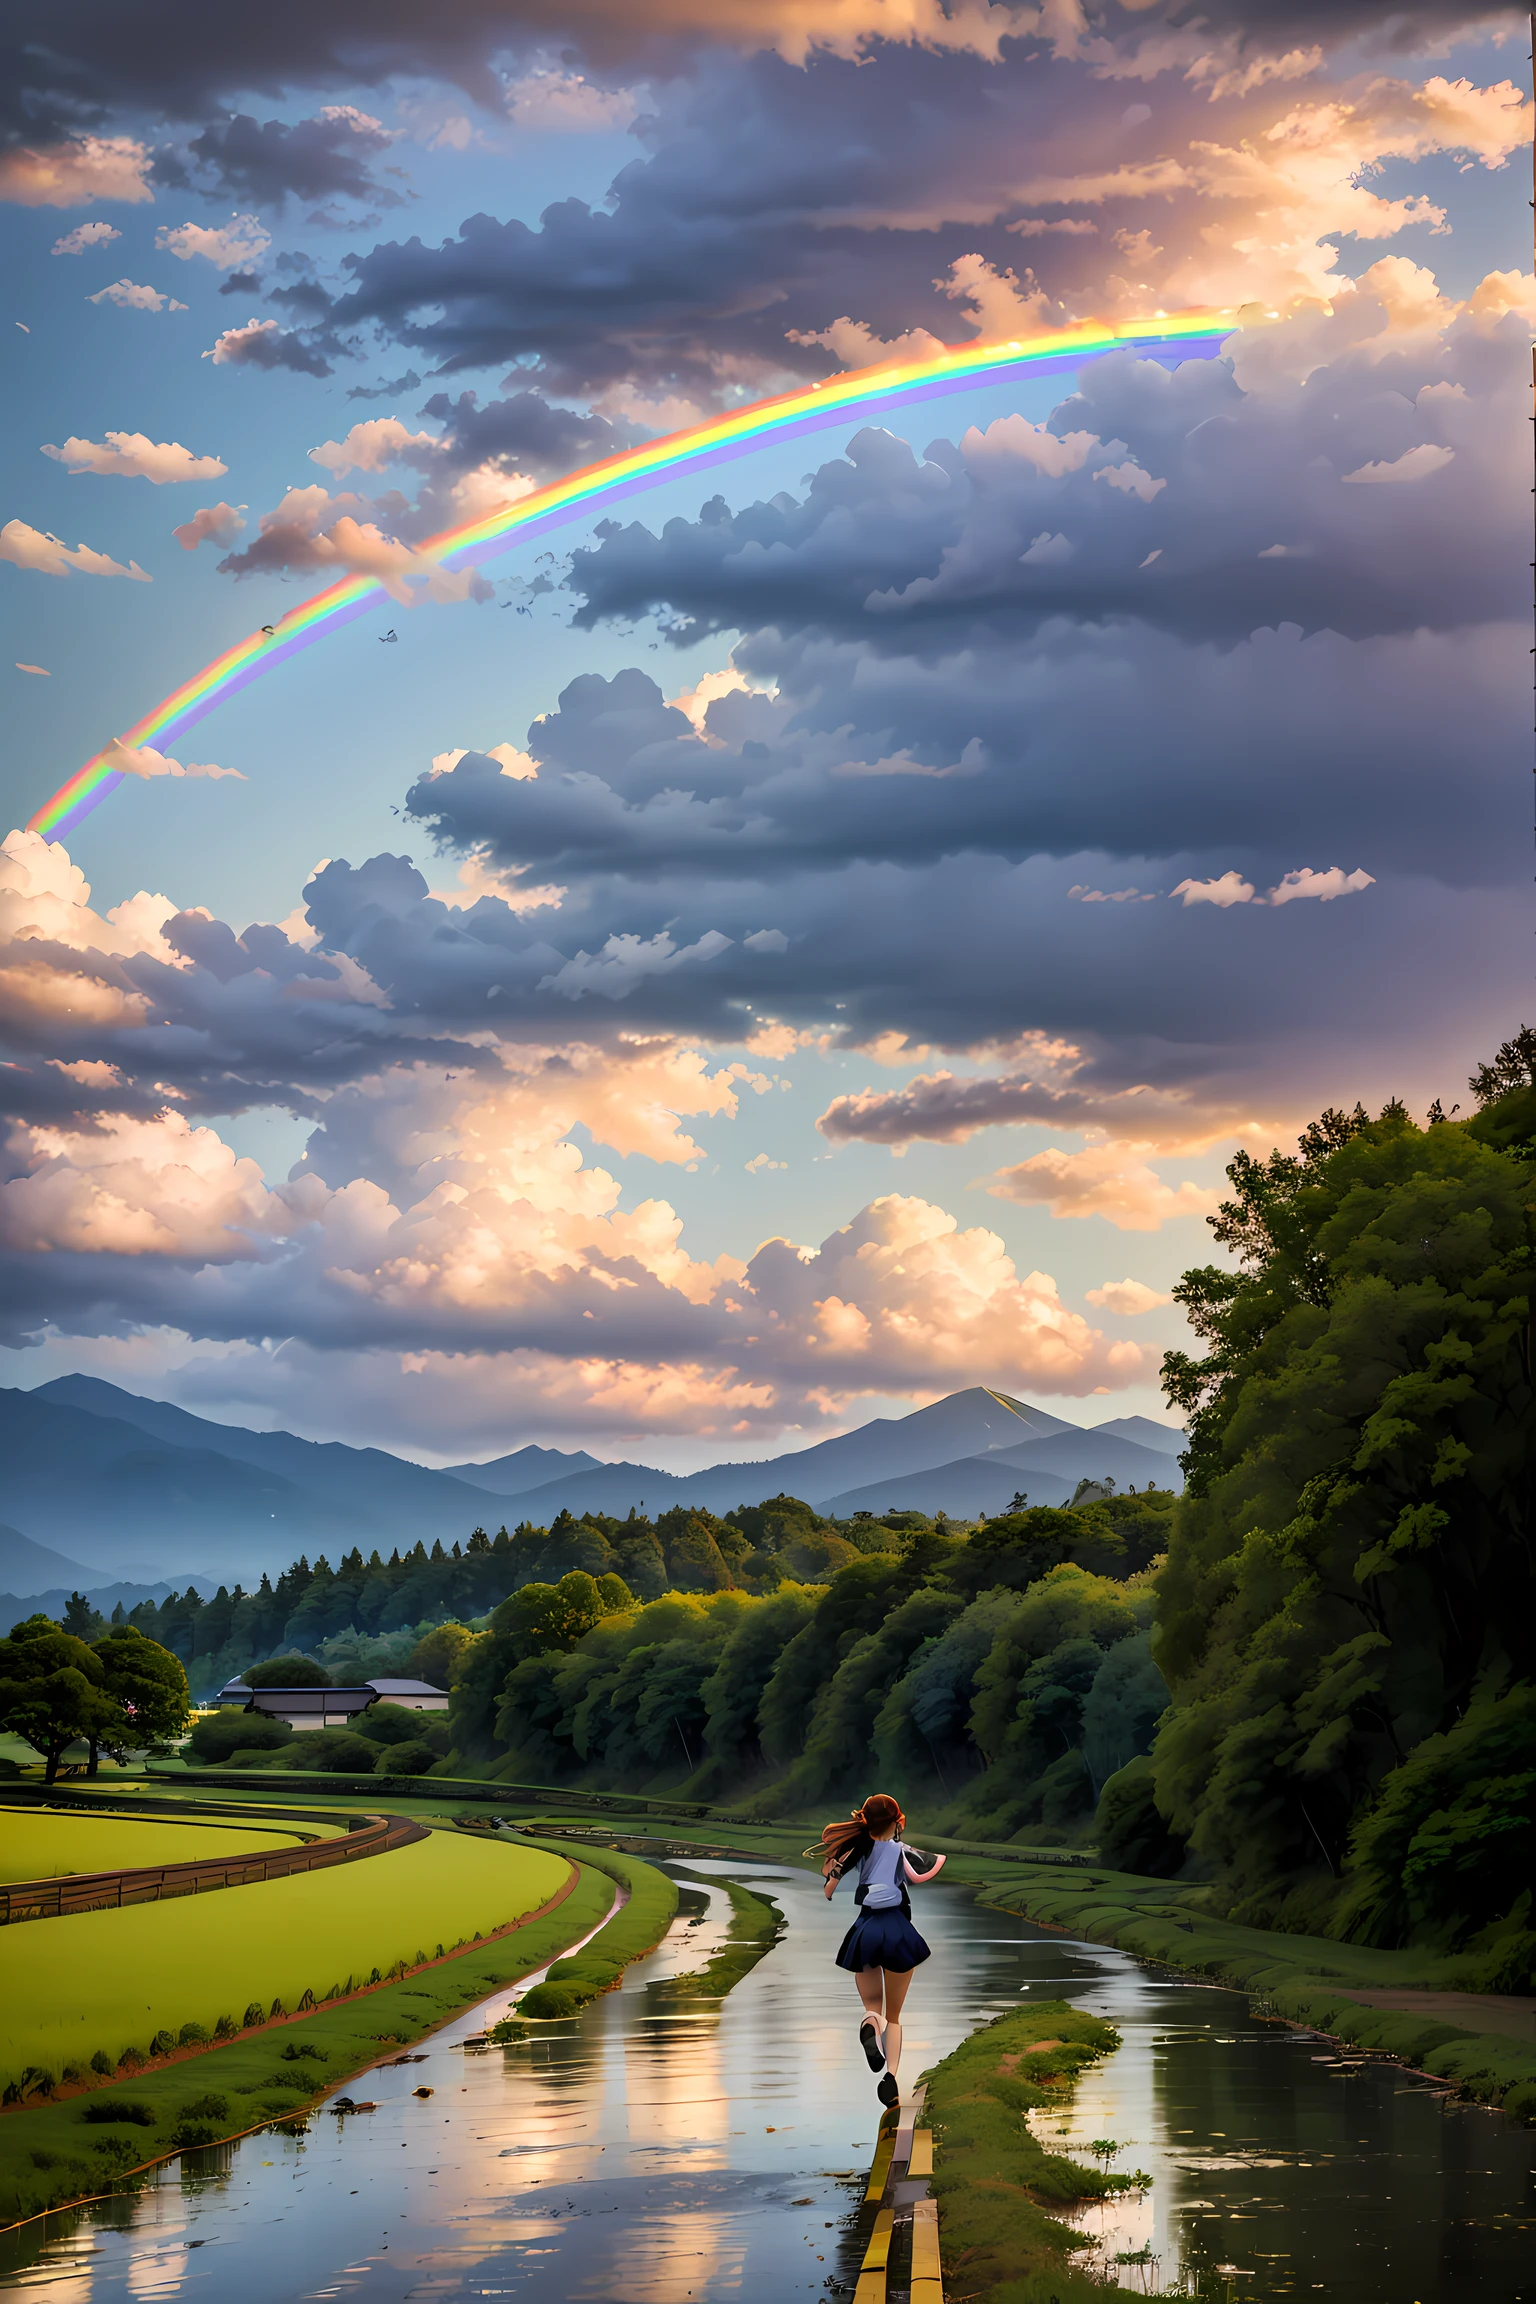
x: 660, y: 2152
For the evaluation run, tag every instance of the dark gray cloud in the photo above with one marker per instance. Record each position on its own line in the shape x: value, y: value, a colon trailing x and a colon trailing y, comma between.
x: 272, y: 161
x: 67, y: 64
x: 522, y: 432
x: 1188, y: 503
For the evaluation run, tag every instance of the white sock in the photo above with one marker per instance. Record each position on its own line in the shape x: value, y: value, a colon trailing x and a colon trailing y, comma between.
x: 892, y: 2044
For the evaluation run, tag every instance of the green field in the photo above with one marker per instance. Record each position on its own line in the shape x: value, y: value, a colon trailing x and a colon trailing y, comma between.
x: 101, y: 1982
x: 40, y: 1844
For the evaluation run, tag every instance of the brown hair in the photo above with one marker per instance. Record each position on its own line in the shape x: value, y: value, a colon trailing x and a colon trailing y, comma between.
x: 838, y: 1841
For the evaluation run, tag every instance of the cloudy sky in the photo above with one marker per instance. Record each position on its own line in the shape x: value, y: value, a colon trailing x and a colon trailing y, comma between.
x: 813, y: 941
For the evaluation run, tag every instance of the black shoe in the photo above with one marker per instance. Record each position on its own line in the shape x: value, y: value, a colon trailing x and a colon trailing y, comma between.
x: 869, y: 2041
x: 889, y: 2091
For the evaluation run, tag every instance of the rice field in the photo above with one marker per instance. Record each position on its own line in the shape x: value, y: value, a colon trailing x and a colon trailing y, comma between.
x: 97, y: 1983
x: 38, y: 1844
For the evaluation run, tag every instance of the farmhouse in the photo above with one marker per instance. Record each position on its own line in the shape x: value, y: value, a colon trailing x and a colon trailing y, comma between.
x: 331, y: 1707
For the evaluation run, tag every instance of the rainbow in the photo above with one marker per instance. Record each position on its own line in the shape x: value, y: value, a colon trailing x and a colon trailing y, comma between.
x: 786, y: 416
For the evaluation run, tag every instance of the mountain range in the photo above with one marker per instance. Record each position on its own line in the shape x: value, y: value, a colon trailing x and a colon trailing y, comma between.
x: 112, y: 1487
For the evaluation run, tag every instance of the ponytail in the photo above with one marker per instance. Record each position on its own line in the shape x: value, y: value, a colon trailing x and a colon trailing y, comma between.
x: 842, y: 1840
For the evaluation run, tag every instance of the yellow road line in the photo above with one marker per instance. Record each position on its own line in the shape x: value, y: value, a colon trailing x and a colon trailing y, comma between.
x: 927, y: 2277
x: 872, y: 2272
x: 881, y: 2168
x: 921, y: 2162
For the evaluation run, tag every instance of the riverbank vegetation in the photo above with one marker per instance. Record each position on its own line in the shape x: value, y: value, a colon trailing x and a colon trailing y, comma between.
x: 642, y: 1919
x: 1413, y: 2004
x: 756, y: 1926
x: 994, y: 2180
x: 98, y: 1992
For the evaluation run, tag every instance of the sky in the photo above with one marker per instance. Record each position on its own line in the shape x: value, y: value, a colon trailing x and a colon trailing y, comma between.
x: 812, y: 939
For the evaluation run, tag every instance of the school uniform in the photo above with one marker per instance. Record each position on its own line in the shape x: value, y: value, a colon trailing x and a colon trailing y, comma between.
x: 882, y: 1935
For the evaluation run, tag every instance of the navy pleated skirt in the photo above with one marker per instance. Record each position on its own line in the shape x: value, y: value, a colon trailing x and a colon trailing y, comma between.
x: 882, y: 1940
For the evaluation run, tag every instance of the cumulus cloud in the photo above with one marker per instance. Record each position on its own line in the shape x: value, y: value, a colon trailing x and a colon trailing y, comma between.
x: 134, y: 296
x: 144, y: 761
x: 85, y: 236
x: 1231, y: 888
x: 31, y: 548
x: 1413, y: 464
x: 1108, y: 1180
x: 77, y: 169
x: 326, y: 157
x: 134, y: 456
x: 1127, y: 1299
x: 212, y: 524
x: 266, y: 344
x: 310, y: 529
x: 233, y: 247
x: 441, y: 1206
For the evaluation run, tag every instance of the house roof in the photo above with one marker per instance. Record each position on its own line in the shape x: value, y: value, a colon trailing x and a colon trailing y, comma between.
x: 311, y: 1699
x: 406, y: 1688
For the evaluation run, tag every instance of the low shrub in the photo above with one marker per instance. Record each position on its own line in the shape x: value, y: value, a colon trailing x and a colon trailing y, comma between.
x: 209, y: 2107
x: 550, y: 2000
x: 118, y: 2110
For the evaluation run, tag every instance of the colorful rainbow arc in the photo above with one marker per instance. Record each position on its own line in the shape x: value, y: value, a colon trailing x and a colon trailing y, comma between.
x: 958, y: 368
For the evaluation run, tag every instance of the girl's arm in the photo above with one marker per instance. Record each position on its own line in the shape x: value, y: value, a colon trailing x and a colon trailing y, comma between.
x: 933, y: 1870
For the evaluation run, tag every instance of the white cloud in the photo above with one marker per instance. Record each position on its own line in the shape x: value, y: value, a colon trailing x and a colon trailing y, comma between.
x: 241, y: 347
x: 85, y: 236
x: 1326, y: 885
x: 1231, y: 888
x: 560, y: 99
x: 232, y: 247
x: 1108, y: 1180
x: 761, y: 1161
x: 1131, y: 480
x: 1413, y: 464
x: 518, y: 765
x: 83, y: 168
x: 144, y: 761
x: 132, y: 1187
x: 132, y: 296
x: 32, y: 548
x: 214, y: 524
x: 40, y: 669
x: 1127, y: 1298
x: 767, y: 940
x: 134, y: 456
x: 374, y: 445
x: 1085, y: 895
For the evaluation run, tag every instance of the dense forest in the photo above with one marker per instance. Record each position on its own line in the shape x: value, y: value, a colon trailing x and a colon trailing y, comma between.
x: 1306, y: 1684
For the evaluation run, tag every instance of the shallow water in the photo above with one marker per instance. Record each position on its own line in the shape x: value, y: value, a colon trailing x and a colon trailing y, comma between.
x: 654, y: 2153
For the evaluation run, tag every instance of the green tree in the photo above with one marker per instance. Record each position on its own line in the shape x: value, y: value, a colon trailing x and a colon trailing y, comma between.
x: 53, y: 1692
x: 546, y: 1617
x: 81, y: 1619
x: 147, y: 1684
x: 1353, y: 1565
x: 287, y: 1672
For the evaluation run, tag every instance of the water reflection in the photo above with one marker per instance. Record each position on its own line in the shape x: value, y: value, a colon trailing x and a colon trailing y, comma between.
x: 661, y: 2151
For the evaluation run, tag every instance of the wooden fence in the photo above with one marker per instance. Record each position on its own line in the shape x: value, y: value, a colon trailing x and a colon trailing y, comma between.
x: 158, y: 1883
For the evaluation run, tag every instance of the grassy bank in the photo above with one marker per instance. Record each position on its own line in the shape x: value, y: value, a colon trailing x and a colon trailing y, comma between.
x: 1306, y: 1979
x: 994, y: 2180
x: 756, y: 1926
x: 79, y: 2146
x: 641, y: 1922
x: 82, y: 1991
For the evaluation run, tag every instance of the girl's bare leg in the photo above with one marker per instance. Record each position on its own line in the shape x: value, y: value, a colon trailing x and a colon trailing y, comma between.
x: 871, y: 1983
x: 896, y: 1981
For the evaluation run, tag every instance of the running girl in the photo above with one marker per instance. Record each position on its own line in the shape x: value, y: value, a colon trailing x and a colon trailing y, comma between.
x: 882, y: 1947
